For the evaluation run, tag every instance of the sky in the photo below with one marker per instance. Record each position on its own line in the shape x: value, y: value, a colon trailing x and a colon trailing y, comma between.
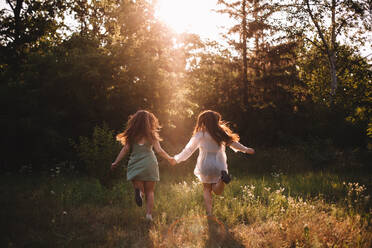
x: 197, y: 16
x: 194, y: 16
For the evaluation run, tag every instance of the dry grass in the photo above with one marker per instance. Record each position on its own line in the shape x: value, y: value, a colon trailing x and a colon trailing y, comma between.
x: 253, y: 212
x: 307, y: 226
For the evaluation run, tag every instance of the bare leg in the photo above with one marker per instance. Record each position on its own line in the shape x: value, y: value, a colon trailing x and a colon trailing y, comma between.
x: 139, y: 185
x: 218, y: 187
x: 208, y: 197
x: 149, y: 192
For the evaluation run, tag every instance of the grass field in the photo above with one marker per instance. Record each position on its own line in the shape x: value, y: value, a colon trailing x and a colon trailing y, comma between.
x: 274, y: 209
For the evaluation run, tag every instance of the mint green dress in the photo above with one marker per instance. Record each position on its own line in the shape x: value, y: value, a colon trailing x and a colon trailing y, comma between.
x: 142, y: 164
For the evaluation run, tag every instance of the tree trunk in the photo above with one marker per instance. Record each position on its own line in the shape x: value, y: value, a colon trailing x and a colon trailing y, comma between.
x: 330, y: 49
x: 17, y: 22
x: 256, y: 41
x: 332, y: 56
x: 244, y: 53
x: 333, y: 70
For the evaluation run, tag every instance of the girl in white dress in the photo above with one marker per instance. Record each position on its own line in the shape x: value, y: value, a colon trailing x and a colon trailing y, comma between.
x: 211, y: 135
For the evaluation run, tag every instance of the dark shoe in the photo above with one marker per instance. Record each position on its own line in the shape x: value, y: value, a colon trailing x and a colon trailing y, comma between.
x: 137, y: 197
x: 225, y: 177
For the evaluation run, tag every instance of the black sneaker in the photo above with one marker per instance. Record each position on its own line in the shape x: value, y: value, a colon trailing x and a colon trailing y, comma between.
x: 137, y: 197
x: 225, y: 177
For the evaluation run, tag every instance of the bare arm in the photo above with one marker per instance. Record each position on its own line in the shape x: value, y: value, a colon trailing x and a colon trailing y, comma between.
x: 236, y: 146
x: 163, y: 153
x: 120, y: 156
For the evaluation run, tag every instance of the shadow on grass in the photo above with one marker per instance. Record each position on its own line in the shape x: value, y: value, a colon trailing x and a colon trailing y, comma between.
x: 200, y: 231
x: 219, y: 235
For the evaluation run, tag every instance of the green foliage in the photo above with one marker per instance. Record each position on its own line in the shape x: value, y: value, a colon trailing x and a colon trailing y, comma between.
x: 350, y: 105
x: 81, y: 192
x: 59, y: 81
x: 65, y: 85
x: 96, y: 153
x: 26, y: 24
x: 324, y: 24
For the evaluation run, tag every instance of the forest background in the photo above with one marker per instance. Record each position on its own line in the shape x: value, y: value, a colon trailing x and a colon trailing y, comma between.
x: 288, y: 76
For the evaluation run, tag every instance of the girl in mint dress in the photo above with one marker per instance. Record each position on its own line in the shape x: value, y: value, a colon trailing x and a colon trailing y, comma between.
x: 139, y: 138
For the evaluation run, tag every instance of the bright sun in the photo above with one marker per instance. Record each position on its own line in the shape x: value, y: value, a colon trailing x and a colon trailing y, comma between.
x: 194, y: 16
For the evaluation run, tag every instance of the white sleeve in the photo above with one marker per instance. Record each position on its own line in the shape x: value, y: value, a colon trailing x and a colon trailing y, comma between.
x: 237, y: 147
x: 189, y: 148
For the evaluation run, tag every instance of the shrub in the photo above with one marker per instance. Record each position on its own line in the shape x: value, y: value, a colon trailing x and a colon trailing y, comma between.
x: 97, y: 153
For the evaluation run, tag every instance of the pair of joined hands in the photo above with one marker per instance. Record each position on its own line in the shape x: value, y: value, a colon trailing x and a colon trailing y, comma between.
x: 172, y: 161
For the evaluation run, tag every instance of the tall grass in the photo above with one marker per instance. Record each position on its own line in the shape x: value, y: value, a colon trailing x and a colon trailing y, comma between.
x: 277, y: 198
x: 271, y: 210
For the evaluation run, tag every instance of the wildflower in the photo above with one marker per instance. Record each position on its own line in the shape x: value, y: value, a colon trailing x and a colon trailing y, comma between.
x: 306, y: 229
x: 280, y: 190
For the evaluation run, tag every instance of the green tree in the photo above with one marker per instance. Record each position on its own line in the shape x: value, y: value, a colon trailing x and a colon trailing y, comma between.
x: 25, y: 23
x: 238, y: 10
x: 324, y: 23
x: 351, y: 105
x: 267, y: 57
x: 61, y: 86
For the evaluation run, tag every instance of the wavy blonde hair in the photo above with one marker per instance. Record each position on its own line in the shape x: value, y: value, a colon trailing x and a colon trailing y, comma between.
x: 211, y: 122
x: 143, y: 124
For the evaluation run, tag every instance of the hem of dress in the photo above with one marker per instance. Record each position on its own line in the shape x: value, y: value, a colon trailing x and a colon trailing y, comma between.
x: 144, y: 179
x: 218, y: 179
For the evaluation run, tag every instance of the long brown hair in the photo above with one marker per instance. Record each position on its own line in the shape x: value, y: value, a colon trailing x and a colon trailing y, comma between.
x: 211, y: 122
x: 143, y: 124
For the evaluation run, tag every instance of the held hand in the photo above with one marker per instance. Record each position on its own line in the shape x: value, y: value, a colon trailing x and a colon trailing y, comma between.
x: 113, y: 165
x: 172, y: 161
x: 250, y: 151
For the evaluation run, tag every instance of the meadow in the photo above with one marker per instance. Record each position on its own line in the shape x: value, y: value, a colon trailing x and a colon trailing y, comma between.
x: 292, y: 78
x: 277, y: 208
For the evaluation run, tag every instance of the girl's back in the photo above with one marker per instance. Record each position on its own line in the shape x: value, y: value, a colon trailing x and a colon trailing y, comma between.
x: 207, y: 143
x: 211, y: 135
x: 142, y: 164
x: 139, y: 138
x: 211, y: 159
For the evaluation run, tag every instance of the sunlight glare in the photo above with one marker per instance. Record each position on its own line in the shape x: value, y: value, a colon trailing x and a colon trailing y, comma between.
x: 193, y: 16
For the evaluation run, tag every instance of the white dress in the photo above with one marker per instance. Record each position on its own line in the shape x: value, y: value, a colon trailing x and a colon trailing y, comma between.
x: 212, y: 157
